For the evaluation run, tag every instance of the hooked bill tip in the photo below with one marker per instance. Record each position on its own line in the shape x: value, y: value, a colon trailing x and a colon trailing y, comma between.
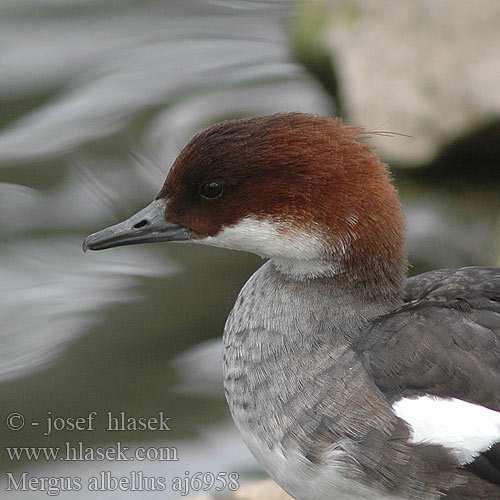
x: 87, y: 243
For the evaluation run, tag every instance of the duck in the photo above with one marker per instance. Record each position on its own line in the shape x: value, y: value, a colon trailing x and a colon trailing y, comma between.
x: 346, y: 379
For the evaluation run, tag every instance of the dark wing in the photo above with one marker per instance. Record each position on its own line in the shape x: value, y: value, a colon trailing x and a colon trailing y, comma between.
x: 444, y: 341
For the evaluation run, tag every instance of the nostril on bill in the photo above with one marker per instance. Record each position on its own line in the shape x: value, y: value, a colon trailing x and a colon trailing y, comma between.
x: 140, y: 224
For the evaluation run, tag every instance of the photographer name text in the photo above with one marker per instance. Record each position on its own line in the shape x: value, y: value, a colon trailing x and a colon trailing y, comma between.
x: 114, y: 422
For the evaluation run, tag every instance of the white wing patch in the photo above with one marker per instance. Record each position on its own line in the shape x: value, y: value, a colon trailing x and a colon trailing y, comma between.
x: 466, y: 429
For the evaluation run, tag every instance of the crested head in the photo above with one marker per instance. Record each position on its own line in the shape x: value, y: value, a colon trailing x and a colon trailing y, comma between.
x: 300, y: 189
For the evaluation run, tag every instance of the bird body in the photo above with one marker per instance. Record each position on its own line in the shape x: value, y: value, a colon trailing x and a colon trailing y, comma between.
x: 309, y: 393
x: 346, y: 379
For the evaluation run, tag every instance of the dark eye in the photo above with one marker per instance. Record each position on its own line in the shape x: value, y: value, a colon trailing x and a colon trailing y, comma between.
x: 211, y: 190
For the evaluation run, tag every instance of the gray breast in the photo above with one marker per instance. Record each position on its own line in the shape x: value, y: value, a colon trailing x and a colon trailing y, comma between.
x: 303, y: 401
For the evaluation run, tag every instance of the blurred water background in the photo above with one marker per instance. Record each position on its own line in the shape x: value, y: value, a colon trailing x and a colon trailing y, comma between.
x: 97, y: 97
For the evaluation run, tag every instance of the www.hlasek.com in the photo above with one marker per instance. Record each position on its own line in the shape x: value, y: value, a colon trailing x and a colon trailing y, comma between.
x: 78, y: 452
x: 135, y: 481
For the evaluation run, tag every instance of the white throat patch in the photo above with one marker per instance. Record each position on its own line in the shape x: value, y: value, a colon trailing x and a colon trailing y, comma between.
x: 295, y: 252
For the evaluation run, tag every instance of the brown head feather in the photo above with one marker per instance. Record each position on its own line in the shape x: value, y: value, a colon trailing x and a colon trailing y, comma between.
x: 311, y: 171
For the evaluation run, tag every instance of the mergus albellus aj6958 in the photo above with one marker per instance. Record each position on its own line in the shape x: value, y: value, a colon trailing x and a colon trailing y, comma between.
x: 346, y: 379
